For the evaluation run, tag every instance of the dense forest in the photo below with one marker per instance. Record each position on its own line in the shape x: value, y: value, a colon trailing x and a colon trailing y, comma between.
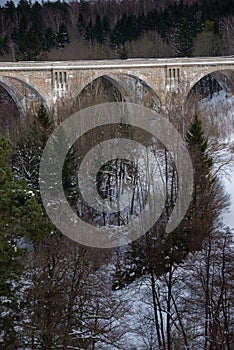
x: 162, y: 291
x: 115, y: 29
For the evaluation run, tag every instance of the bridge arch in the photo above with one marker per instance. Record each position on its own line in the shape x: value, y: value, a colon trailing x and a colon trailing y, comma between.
x: 127, y: 84
x: 115, y: 80
x: 105, y: 81
x: 14, y: 97
x: 25, y: 96
x: 149, y: 97
x: 224, y: 77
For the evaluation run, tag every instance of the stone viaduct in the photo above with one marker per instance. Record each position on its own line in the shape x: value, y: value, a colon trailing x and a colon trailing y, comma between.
x: 48, y: 82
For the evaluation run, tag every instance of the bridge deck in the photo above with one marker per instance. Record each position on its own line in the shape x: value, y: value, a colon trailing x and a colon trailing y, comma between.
x: 116, y: 63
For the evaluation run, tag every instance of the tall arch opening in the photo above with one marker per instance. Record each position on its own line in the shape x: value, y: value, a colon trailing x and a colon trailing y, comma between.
x: 10, y: 113
x: 18, y: 102
x: 142, y: 92
x: 212, y: 83
x: 111, y: 87
x: 103, y: 89
x: 212, y: 97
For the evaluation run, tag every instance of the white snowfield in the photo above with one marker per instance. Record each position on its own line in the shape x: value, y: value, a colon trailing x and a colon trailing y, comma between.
x: 220, y: 110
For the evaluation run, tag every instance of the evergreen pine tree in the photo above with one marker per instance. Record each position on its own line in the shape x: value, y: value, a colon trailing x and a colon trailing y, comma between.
x: 49, y: 39
x: 195, y: 137
x: 208, y: 195
x: 183, y: 38
x: 28, y: 150
x: 99, y: 30
x: 81, y: 23
x: 30, y: 43
x: 21, y: 224
x: 43, y: 118
x: 10, y: 9
x: 89, y: 32
x: 4, y: 45
x: 62, y: 37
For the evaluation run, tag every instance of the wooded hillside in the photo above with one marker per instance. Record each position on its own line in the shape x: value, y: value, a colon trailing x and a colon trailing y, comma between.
x: 113, y: 29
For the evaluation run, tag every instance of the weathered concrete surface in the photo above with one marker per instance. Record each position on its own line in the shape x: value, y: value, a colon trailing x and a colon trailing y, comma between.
x: 49, y: 81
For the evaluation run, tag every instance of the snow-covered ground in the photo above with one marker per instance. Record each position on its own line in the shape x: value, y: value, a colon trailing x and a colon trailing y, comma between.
x: 228, y: 217
x: 220, y: 112
x: 139, y: 321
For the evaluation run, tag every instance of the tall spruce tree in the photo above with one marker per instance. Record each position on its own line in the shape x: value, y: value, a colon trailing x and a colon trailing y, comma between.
x: 21, y: 225
x: 62, y: 37
x: 28, y: 150
x: 197, y: 141
x: 209, y: 198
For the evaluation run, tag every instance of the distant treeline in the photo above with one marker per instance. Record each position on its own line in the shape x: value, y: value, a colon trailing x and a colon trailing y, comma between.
x: 30, y: 31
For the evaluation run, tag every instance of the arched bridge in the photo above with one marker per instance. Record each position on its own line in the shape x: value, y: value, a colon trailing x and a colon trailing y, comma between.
x: 48, y: 82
